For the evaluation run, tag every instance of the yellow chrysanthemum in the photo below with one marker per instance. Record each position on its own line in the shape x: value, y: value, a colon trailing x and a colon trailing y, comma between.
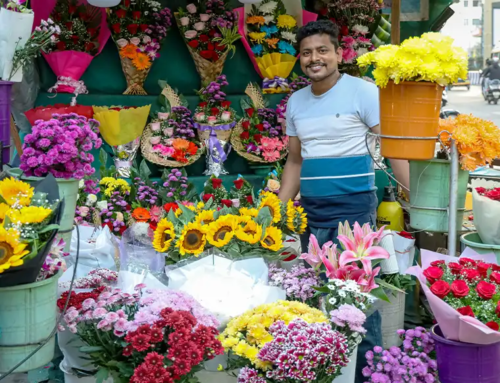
x: 114, y: 184
x: 296, y: 219
x: 28, y: 214
x: 205, y: 217
x: 16, y: 192
x: 250, y: 233
x: 257, y: 37
x: 272, y: 202
x: 4, y: 208
x: 11, y: 250
x: 163, y: 236
x: 192, y: 239
x: 221, y: 231
x: 286, y: 21
x: 273, y: 239
x: 249, y: 212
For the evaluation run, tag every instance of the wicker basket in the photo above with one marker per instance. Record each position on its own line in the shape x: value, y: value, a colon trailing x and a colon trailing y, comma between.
x: 135, y: 78
x: 223, y: 135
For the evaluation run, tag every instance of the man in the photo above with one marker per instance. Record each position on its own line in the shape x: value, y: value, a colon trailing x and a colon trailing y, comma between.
x: 492, y: 72
x: 328, y: 160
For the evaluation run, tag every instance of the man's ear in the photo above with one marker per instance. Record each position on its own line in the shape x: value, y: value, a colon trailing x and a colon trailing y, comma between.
x: 339, y: 55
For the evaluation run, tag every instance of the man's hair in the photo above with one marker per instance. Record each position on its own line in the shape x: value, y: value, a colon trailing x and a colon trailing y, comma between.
x: 320, y: 27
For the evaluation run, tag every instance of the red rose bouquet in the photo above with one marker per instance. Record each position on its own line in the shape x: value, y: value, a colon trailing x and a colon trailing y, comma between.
x: 464, y: 294
x: 240, y: 195
x: 486, y: 208
x: 83, y: 35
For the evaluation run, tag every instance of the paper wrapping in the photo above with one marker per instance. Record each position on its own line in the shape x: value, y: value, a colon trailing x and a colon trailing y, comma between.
x: 486, y: 213
x: 390, y: 265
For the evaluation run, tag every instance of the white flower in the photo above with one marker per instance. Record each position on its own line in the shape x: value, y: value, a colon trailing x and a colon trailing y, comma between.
x: 101, y: 205
x: 362, y: 306
x: 338, y: 282
x: 332, y: 301
x: 361, y: 29
x: 361, y: 51
x: 268, y: 8
x: 289, y: 36
x: 91, y: 199
x: 342, y: 294
x: 268, y: 19
x: 81, y: 184
x: 331, y: 287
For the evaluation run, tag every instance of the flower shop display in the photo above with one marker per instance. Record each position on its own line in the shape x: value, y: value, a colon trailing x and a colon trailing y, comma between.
x: 83, y: 35
x: 485, y: 204
x: 268, y: 32
x: 416, y: 70
x: 46, y: 112
x: 115, y: 209
x: 298, y: 283
x: 259, y: 137
x: 240, y: 195
x: 169, y: 139
x: 176, y: 188
x: 214, y: 118
x: 86, y: 212
x: 121, y: 128
x: 138, y: 28
x: 414, y: 361
x: 296, y: 83
x: 55, y: 260
x: 209, y: 31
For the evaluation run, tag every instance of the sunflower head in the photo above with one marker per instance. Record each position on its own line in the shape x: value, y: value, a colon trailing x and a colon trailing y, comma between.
x: 273, y: 239
x: 164, y: 235
x: 296, y: 220
x: 222, y: 230
x: 28, y: 215
x: 272, y: 202
x: 249, y: 212
x: 205, y: 217
x: 12, y: 251
x: 250, y: 233
x: 192, y: 239
x: 16, y: 192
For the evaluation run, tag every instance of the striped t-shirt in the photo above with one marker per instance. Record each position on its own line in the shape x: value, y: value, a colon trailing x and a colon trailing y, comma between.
x: 337, y: 172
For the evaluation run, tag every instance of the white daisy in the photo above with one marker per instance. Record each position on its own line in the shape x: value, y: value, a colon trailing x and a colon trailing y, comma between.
x: 361, y: 29
x: 332, y: 301
x: 268, y: 8
x: 289, y: 36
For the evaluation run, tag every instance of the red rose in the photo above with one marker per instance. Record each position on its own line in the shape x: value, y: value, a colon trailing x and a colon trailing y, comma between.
x: 204, y: 38
x: 75, y: 39
x: 433, y: 274
x: 193, y: 44
x: 440, y: 289
x: 259, y: 127
x: 143, y: 27
x: 486, y: 290
x: 169, y: 206
x: 493, y: 325
x: 214, y: 111
x: 216, y: 183
x: 257, y: 138
x: 438, y: 263
x: 132, y: 28
x: 72, y: 9
x: 215, y: 56
x: 126, y: 3
x: 493, y: 194
x: 121, y: 13
x: 69, y: 25
x: 495, y: 267
x: 212, y: 33
x: 250, y: 112
x: 61, y: 45
x: 225, y: 104
x: 405, y: 234
x: 249, y: 199
x: 245, y: 125
x: 136, y: 15
x: 455, y: 268
x: 497, y: 311
x: 226, y: 202
x: 495, y: 277
x: 207, y: 55
x: 92, y: 32
x: 116, y: 28
x: 481, y: 190
x: 89, y: 46
x: 219, y: 47
x: 210, y: 46
x: 470, y: 274
x: 465, y: 261
x: 207, y: 197
x: 483, y: 268
x: 238, y: 184
x: 344, y: 31
x: 245, y: 136
x: 202, y: 104
x: 466, y: 311
x: 459, y: 288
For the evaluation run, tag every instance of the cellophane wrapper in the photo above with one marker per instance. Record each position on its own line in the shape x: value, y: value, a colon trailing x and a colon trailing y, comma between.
x: 486, y: 212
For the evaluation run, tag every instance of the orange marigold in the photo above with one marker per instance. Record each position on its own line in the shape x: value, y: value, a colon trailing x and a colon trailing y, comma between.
x: 259, y: 20
x: 141, y: 214
x: 129, y: 51
x: 141, y: 61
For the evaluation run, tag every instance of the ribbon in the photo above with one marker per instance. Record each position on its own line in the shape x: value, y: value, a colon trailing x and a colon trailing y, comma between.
x: 78, y: 86
x: 212, y: 128
x: 277, y: 82
x: 213, y: 142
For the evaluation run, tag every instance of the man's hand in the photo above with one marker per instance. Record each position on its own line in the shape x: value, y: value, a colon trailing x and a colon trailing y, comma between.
x: 290, y: 182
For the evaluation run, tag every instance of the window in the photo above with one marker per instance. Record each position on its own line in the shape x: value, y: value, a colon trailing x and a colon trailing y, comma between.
x: 466, y: 22
x: 475, y: 3
x: 466, y: 3
x: 476, y: 22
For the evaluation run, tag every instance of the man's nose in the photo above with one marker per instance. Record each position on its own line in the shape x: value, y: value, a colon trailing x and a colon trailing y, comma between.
x: 314, y: 56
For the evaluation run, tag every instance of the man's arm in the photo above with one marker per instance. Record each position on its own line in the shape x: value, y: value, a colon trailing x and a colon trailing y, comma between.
x: 290, y: 180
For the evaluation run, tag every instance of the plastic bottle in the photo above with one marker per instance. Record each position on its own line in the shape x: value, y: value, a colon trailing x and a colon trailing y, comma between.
x: 390, y: 213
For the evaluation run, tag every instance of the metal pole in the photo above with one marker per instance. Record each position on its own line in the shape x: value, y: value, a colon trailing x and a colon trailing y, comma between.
x: 452, y: 215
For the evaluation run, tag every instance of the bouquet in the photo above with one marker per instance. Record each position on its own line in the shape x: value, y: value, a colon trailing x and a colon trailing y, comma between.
x: 61, y: 147
x: 169, y: 140
x: 259, y: 136
x: 146, y: 209
x: 463, y: 294
x: 431, y: 57
x: 209, y: 30
x: 115, y: 209
x: 82, y: 35
x: 268, y: 33
x: 95, y: 279
x: 138, y: 29
x: 485, y: 204
x: 215, y: 191
x: 214, y: 118
x: 86, y: 213
x: 299, y: 283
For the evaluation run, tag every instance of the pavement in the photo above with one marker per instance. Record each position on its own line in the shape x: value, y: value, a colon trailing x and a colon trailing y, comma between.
x: 472, y: 102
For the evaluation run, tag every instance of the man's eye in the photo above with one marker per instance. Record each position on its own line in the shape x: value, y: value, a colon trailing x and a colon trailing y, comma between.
x: 322, y: 51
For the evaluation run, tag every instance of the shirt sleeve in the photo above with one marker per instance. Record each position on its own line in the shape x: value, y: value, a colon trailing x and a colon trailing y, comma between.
x: 368, y: 104
x: 290, y: 126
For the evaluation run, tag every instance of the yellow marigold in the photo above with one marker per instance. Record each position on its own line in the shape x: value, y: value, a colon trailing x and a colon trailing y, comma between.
x: 114, y: 184
x: 258, y: 37
x: 286, y: 21
x: 259, y: 20
x: 16, y: 192
x: 28, y: 214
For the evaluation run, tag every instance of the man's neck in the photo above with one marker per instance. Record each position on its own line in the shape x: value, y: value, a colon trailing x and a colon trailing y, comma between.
x: 323, y: 86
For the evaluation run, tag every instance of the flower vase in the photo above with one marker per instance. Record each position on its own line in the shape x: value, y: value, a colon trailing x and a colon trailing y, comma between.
x: 349, y: 371
x: 393, y: 319
x: 473, y: 240
x: 5, y: 94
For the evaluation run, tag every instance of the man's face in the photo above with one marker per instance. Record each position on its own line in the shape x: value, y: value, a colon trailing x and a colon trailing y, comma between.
x: 318, y: 57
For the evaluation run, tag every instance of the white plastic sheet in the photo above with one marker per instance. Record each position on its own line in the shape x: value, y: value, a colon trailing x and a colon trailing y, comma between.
x: 486, y: 213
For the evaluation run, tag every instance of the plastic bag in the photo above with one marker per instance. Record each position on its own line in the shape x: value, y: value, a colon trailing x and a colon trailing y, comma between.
x: 486, y: 212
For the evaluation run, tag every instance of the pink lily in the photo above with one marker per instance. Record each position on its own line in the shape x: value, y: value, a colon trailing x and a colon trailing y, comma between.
x: 369, y: 284
x: 329, y: 258
x: 313, y: 255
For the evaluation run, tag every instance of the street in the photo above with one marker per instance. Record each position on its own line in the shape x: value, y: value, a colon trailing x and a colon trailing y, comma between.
x: 472, y: 102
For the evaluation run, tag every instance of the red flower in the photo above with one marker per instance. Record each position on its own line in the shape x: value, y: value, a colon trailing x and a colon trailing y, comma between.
x: 459, y: 288
x: 156, y: 335
x: 245, y: 125
x: 441, y: 289
x: 226, y: 202
x: 497, y: 311
x: 69, y: 25
x: 72, y: 9
x: 192, y: 149
x: 154, y: 359
x: 203, y: 104
x: 143, y: 27
x: 289, y: 258
x: 89, y: 46
x: 206, y: 197
x: 216, y: 183
x: 211, y: 46
x: 225, y: 104
x: 344, y: 31
x: 481, y: 190
x: 245, y: 136
x: 486, y: 290
x: 466, y: 311
x: 433, y: 274
x: 219, y: 47
x: 203, y: 38
x: 75, y: 39
x: 136, y: 15
x: 61, y: 45
x: 438, y: 263
x: 92, y: 32
x: 116, y: 28
x: 249, y: 199
x: 405, y: 235
x: 493, y: 325
x: 207, y: 55
x: 153, y: 225
x: 470, y: 274
x: 257, y: 138
x: 141, y: 374
x: 455, y: 268
x: 126, y: 3
x: 238, y: 184
x: 121, y: 13
x: 467, y: 262
x: 144, y: 330
x: 132, y: 28
x: 214, y: 111
x: 323, y: 11
x: 483, y: 268
x: 259, y: 127
x: 250, y: 112
x: 212, y: 33
x: 169, y: 206
x: 193, y: 44
x: 495, y: 277
x: 127, y: 351
x: 493, y: 194
x: 141, y: 342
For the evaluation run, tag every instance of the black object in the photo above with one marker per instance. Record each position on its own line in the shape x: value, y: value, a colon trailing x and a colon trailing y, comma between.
x: 389, y: 194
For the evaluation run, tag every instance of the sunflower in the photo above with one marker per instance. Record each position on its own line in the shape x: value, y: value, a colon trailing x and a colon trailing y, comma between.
x: 273, y: 239
x: 141, y: 215
x: 141, y: 61
x: 222, y: 230
x: 129, y: 51
x: 296, y: 219
x: 28, y: 214
x: 192, y: 239
x: 205, y: 217
x: 249, y: 212
x: 272, y: 202
x: 16, y: 192
x: 250, y: 233
x: 3, y: 210
x: 11, y: 250
x: 200, y: 206
x: 164, y: 235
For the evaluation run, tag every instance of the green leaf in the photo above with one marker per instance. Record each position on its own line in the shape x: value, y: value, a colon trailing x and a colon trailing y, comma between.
x: 47, y: 228
x: 187, y: 214
x: 380, y: 294
x: 125, y: 368
x: 383, y: 283
x: 144, y: 171
x: 90, y: 349
x: 101, y: 375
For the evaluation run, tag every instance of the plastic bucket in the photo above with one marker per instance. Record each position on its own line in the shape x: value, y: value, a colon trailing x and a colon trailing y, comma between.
x: 459, y: 362
x: 5, y: 92
x: 409, y: 109
x: 348, y: 372
x: 430, y: 195
x: 27, y: 318
x: 393, y: 319
x: 473, y: 240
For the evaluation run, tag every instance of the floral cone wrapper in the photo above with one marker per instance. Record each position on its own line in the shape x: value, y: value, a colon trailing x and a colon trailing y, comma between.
x: 455, y: 326
x: 390, y: 265
x: 15, y: 30
x: 69, y: 66
x: 486, y: 212
x: 405, y: 251
x: 45, y: 112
